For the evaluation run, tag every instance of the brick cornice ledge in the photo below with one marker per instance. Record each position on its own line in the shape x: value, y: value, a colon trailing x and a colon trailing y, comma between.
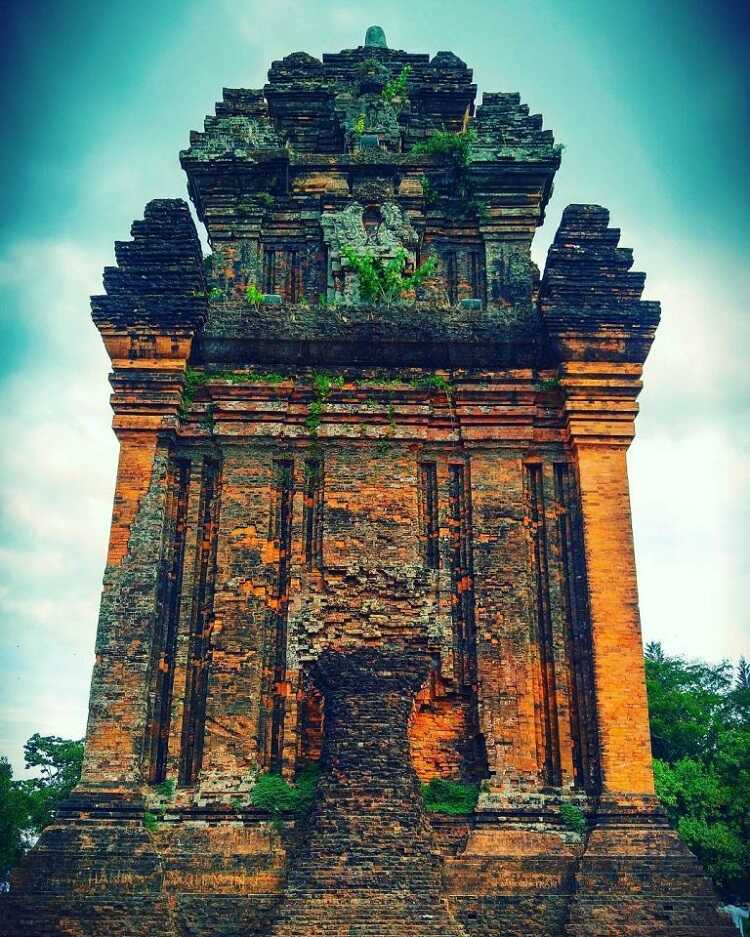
x: 600, y: 401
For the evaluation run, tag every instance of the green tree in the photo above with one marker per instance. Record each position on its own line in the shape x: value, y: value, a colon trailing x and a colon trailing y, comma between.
x: 14, y: 820
x: 700, y: 732
x: 59, y: 762
x: 27, y: 805
x: 687, y: 704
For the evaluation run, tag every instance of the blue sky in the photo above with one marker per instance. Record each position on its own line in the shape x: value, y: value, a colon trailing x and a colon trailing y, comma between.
x: 651, y: 102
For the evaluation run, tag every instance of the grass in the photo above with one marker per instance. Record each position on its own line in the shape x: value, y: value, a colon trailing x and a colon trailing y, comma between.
x: 451, y: 797
x: 278, y: 797
x: 456, y: 146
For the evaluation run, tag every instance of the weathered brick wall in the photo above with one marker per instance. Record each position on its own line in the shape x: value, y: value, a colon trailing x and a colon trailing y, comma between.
x: 370, y: 582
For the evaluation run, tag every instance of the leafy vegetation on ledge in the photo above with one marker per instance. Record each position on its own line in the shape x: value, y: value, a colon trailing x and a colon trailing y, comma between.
x: 273, y: 793
x: 396, y: 87
x: 165, y: 789
x: 451, y: 797
x: 572, y: 818
x: 382, y: 281
x: 195, y: 379
x: 322, y: 383
x: 253, y: 295
x: 457, y: 146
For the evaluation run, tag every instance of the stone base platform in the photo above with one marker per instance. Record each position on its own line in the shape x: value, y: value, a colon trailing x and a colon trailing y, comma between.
x: 369, y: 862
x: 226, y: 878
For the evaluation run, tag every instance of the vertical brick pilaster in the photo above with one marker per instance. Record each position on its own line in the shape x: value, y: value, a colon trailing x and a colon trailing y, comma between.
x: 601, y: 409
x: 119, y: 705
x: 624, y: 745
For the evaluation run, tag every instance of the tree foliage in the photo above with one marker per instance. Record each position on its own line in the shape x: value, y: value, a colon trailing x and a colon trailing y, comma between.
x: 700, y: 733
x: 14, y: 818
x: 27, y: 805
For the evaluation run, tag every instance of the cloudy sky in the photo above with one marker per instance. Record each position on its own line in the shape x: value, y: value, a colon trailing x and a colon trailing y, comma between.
x: 651, y: 102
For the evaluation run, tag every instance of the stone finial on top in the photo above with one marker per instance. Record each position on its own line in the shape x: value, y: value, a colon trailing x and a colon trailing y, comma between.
x: 375, y: 38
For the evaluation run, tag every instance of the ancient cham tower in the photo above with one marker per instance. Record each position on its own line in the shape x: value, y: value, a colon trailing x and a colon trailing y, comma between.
x: 371, y: 512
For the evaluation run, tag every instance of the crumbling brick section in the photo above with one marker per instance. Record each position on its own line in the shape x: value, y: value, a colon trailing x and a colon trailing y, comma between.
x: 367, y: 865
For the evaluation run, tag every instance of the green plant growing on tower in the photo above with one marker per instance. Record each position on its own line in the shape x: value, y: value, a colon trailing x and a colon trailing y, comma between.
x: 382, y: 448
x: 396, y: 87
x: 572, y: 818
x: 433, y: 382
x: 457, y: 148
x: 150, y: 821
x: 447, y: 143
x: 371, y: 66
x: 382, y: 281
x: 359, y: 125
x: 215, y: 293
x: 253, y: 295
x: 322, y: 385
x: 273, y: 793
x: 451, y: 797
x: 193, y: 380
x: 429, y: 192
x: 165, y: 789
x: 550, y: 384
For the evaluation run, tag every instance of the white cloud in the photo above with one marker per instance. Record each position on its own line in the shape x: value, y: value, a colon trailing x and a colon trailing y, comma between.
x: 690, y: 495
x: 56, y: 497
x: 690, y: 462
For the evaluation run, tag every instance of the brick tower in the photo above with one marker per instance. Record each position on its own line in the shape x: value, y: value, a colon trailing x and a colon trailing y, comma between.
x: 387, y: 532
